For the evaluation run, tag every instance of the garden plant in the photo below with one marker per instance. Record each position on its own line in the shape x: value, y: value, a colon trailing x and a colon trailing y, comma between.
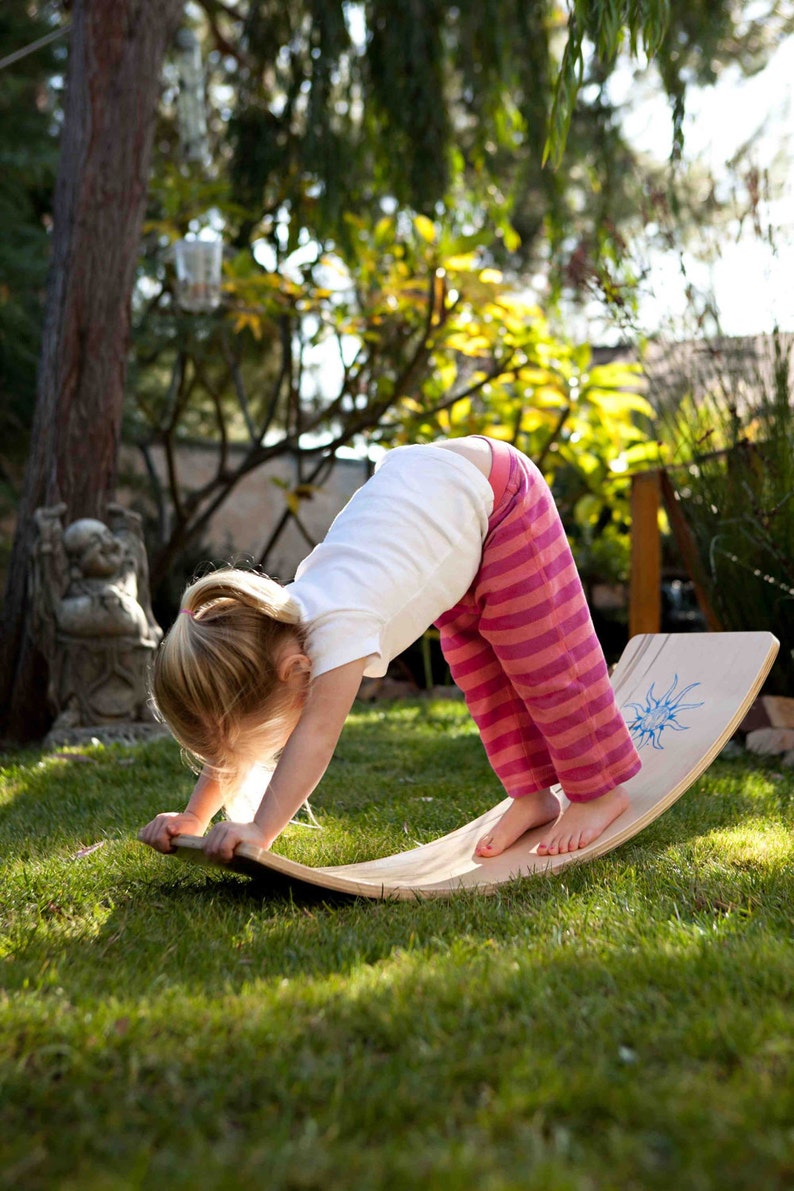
x: 728, y: 422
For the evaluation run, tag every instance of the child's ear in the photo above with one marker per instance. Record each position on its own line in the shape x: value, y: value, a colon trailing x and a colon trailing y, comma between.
x: 294, y: 667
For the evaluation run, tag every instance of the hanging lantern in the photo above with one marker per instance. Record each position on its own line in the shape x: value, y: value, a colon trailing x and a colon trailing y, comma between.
x: 191, y: 106
x: 198, y: 261
x: 198, y: 274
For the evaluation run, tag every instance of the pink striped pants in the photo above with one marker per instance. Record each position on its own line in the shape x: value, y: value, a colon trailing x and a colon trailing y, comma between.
x: 522, y: 648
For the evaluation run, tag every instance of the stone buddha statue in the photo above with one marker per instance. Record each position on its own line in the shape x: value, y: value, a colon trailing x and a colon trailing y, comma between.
x: 93, y: 617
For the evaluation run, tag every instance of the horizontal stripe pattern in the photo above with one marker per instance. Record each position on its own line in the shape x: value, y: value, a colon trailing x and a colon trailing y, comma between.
x: 522, y: 648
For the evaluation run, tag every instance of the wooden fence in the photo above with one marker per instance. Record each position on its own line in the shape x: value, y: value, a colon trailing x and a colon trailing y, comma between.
x: 649, y: 490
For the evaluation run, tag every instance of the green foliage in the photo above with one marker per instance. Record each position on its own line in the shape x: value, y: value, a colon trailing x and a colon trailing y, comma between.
x: 733, y: 428
x: 27, y: 168
x: 338, y: 106
x: 426, y: 340
x: 626, y: 1023
x: 405, y: 64
x: 496, y: 368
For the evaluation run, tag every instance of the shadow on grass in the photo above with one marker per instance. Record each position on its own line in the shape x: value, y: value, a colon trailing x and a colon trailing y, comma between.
x: 646, y: 1054
x: 198, y: 933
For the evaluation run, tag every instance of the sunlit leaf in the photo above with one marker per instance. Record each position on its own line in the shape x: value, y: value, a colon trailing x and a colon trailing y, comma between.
x: 468, y: 345
x: 384, y: 228
x: 615, y: 375
x: 516, y: 303
x: 426, y: 228
x: 460, y: 411
x: 412, y: 405
x: 547, y: 397
x: 511, y: 239
x: 587, y: 509
x: 464, y: 263
x: 248, y: 319
x: 536, y: 377
x: 619, y: 404
x: 447, y: 374
x: 586, y: 462
x: 653, y: 454
x: 535, y: 419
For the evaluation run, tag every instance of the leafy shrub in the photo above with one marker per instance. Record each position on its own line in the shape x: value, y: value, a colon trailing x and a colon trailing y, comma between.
x: 734, y: 435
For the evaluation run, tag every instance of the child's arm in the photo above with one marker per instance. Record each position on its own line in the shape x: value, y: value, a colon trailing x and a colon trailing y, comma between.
x: 205, y: 801
x: 303, y: 762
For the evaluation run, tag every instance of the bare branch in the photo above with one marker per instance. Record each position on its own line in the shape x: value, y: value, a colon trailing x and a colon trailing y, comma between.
x: 157, y: 489
x: 222, y: 42
x: 239, y: 388
x: 283, y: 373
x: 554, y: 436
x: 316, y: 476
x: 176, y: 390
x: 221, y: 423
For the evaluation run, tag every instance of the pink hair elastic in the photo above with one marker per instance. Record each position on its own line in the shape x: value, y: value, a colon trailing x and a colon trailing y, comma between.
x: 187, y: 612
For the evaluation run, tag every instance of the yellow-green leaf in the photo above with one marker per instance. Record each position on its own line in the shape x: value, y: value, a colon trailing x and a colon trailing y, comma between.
x: 651, y: 453
x: 468, y: 345
x: 426, y: 228
x: 586, y: 462
x: 246, y: 318
x: 612, y: 376
x: 511, y: 239
x: 619, y: 404
x: 412, y: 406
x: 463, y: 263
x: 447, y: 373
x: 533, y: 419
x: 587, y: 509
x: 383, y: 228
x: 537, y: 376
x: 547, y: 397
x: 460, y: 411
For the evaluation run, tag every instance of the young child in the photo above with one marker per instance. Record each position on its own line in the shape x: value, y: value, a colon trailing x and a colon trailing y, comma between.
x: 463, y: 534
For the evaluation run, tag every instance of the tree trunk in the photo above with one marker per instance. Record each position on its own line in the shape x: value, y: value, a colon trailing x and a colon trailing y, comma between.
x: 113, y: 85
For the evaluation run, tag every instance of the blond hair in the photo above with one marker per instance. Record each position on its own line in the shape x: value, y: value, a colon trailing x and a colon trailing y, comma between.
x: 215, y: 680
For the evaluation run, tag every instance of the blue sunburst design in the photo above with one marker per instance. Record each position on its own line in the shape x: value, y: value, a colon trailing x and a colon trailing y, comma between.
x: 654, y: 715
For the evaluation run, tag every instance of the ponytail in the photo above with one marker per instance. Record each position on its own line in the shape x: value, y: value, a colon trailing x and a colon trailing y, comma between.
x: 248, y: 588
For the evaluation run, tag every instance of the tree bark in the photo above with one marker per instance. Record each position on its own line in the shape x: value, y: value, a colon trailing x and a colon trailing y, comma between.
x: 115, y: 58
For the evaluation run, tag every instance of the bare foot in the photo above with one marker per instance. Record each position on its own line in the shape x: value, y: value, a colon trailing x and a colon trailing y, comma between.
x: 582, y: 822
x: 523, y: 813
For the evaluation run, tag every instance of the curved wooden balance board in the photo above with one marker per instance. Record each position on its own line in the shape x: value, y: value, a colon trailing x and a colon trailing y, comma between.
x: 682, y: 695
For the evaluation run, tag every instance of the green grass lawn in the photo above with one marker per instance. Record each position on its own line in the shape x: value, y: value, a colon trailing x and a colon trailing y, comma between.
x: 626, y: 1024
